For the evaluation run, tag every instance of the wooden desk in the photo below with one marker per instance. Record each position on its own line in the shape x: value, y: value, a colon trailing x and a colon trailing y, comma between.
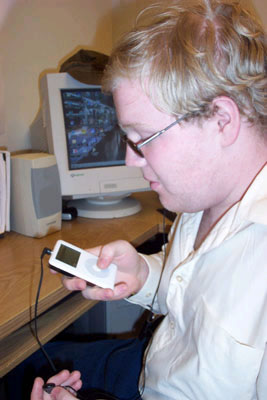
x: 20, y: 273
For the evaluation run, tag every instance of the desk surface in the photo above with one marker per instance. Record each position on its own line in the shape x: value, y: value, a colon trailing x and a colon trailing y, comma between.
x: 20, y: 273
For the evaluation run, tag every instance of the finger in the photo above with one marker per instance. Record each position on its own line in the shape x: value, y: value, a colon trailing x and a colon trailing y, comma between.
x: 95, y: 250
x: 104, y: 253
x: 120, y: 291
x: 53, y: 271
x: 59, y: 378
x: 72, y: 380
x: 74, y: 283
x: 37, y: 389
x: 77, y: 385
x: 97, y: 293
x: 107, y: 254
x: 65, y: 378
x: 59, y: 393
x: 111, y: 251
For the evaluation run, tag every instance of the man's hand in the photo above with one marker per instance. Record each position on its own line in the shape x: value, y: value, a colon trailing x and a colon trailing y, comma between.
x: 131, y: 274
x: 64, y: 378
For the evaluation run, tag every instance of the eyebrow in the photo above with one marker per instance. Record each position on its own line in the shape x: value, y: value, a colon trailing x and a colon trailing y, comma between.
x: 134, y: 125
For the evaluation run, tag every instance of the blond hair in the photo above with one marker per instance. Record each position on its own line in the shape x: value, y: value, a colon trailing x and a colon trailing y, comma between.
x: 186, y: 53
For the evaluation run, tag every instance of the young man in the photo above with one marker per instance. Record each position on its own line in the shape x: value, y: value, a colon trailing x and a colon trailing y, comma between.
x: 194, y: 72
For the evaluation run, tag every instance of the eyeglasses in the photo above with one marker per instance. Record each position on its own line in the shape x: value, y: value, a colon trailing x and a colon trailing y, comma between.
x: 136, y: 147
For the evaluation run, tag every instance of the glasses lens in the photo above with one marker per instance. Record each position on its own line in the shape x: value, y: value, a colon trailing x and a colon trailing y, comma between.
x: 132, y: 145
x: 135, y: 148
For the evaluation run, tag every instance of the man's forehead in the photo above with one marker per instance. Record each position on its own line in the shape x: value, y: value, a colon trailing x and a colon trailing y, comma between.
x: 135, y: 111
x: 129, y: 91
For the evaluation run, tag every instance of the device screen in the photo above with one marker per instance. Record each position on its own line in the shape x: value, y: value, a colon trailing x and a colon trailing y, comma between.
x: 68, y: 255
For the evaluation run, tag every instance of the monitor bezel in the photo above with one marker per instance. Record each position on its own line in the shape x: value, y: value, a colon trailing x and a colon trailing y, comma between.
x: 92, y: 182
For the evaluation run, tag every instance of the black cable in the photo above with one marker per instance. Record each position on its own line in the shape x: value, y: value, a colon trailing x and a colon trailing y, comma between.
x: 52, y: 365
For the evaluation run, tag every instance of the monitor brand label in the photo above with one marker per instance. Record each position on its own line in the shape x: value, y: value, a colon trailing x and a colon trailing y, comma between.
x: 75, y: 175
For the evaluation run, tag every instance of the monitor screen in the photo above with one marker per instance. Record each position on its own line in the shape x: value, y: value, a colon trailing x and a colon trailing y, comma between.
x: 93, y: 136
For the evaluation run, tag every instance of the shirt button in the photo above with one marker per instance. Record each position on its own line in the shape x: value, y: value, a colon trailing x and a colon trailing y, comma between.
x: 172, y: 325
x: 148, y: 294
x: 179, y: 278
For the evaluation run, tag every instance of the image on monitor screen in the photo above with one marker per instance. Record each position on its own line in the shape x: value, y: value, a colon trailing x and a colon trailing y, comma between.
x: 93, y: 136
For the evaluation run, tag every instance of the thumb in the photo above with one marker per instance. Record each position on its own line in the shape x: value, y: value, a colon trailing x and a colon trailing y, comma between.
x: 37, y: 390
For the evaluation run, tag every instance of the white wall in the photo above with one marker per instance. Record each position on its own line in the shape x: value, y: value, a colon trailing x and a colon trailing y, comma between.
x: 124, y: 15
x: 261, y: 8
x: 39, y: 34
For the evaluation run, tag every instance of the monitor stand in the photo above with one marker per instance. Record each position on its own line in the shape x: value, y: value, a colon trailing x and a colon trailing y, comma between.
x: 106, y: 207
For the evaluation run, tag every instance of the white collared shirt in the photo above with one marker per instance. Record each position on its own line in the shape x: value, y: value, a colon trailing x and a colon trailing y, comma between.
x: 211, y: 344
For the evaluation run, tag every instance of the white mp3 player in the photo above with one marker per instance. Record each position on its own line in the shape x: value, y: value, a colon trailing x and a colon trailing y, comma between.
x: 71, y: 260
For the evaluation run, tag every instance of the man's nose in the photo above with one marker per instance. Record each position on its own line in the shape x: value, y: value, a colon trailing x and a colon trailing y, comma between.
x: 132, y: 159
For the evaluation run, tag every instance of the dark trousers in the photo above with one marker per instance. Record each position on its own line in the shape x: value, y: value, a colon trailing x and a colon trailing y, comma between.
x: 110, y: 365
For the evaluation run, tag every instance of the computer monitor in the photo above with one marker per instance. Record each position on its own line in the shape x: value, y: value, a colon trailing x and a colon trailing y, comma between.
x: 78, y: 124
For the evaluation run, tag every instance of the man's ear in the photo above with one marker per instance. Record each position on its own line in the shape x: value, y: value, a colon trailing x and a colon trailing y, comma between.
x: 227, y: 117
